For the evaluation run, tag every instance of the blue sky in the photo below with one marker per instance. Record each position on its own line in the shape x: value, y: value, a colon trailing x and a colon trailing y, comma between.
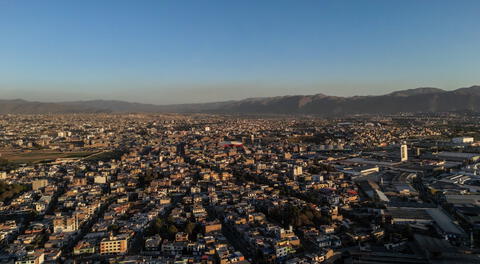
x: 183, y: 51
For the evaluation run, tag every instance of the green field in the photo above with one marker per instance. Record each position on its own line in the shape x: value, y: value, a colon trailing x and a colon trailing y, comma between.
x: 39, y: 156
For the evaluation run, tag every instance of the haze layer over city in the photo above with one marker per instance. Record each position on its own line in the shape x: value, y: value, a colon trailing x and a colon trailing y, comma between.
x: 236, y: 132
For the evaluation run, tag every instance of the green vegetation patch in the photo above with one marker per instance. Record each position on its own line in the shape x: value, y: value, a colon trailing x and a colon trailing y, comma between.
x: 9, y: 191
x: 6, y: 165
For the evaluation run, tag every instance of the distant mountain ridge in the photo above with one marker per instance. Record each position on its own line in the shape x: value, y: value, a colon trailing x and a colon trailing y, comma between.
x: 424, y: 99
x: 417, y: 91
x: 19, y: 106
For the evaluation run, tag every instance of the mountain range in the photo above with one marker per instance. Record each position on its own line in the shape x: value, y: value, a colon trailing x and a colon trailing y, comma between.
x: 412, y: 100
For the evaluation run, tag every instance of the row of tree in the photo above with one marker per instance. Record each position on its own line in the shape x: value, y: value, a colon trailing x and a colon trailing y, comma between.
x: 297, y: 216
x: 166, y: 228
x: 6, y: 165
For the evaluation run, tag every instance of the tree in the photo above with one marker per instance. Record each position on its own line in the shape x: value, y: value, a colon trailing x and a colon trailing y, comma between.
x: 113, y: 228
x: 172, y: 230
x: 189, y: 228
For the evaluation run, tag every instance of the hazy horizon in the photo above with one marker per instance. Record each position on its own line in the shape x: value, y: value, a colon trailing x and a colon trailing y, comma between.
x: 170, y: 52
x: 87, y: 98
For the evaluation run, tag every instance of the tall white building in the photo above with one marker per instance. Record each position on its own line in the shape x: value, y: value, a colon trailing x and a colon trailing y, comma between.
x: 404, y: 151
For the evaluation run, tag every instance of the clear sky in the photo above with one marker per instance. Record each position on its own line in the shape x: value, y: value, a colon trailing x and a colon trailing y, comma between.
x: 183, y: 51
